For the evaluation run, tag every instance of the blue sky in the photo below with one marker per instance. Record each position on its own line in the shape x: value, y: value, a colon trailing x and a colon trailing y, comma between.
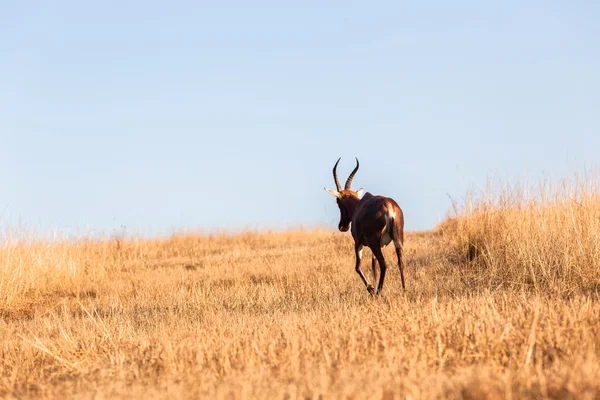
x: 162, y: 116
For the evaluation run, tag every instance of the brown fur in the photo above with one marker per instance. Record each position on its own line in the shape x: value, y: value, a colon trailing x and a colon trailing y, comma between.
x: 372, y: 217
x: 376, y: 221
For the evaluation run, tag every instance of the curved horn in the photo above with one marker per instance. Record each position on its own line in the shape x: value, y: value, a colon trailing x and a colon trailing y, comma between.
x: 337, y: 181
x: 349, y: 181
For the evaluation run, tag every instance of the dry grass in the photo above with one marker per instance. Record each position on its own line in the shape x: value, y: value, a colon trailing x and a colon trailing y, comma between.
x: 284, y: 315
x: 544, y: 237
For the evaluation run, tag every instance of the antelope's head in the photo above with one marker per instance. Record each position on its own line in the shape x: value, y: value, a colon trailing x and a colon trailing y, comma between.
x: 347, y: 199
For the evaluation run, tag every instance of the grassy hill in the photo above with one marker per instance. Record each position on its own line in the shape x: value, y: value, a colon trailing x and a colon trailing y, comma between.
x: 501, y: 301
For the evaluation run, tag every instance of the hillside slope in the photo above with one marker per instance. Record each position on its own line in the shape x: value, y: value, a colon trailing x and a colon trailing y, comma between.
x: 274, y: 315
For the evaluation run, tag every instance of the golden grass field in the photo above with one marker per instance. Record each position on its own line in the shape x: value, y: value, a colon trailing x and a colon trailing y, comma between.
x: 502, y: 301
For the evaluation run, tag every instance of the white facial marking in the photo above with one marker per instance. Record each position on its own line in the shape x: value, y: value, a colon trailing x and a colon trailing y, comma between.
x: 360, y: 254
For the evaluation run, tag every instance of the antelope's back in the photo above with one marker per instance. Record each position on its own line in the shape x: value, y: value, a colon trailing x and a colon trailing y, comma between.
x: 373, y: 216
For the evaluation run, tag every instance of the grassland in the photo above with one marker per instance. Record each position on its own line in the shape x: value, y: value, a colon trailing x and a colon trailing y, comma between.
x: 501, y: 302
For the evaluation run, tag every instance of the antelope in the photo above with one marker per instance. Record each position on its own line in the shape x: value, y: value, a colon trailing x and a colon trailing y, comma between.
x: 376, y: 221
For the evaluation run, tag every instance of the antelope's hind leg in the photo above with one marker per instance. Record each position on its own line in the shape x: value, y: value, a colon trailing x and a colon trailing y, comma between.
x: 374, y: 270
x: 358, y: 248
x: 382, y: 266
x: 400, y: 254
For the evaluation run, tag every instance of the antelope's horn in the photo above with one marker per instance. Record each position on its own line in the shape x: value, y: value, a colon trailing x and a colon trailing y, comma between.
x: 349, y: 181
x: 337, y: 181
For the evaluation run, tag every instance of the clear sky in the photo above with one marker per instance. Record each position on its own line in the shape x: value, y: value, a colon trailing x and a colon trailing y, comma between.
x: 162, y: 116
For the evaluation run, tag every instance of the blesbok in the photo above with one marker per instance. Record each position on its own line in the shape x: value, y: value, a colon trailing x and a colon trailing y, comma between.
x: 376, y: 221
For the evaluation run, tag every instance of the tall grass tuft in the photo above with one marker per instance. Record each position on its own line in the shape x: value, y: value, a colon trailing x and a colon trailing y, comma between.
x: 544, y: 236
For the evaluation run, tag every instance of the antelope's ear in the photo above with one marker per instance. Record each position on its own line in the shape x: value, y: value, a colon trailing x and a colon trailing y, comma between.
x: 360, y: 192
x: 334, y: 193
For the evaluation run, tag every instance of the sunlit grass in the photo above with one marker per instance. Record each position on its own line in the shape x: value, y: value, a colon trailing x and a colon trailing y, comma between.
x: 544, y: 237
x: 501, y: 301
